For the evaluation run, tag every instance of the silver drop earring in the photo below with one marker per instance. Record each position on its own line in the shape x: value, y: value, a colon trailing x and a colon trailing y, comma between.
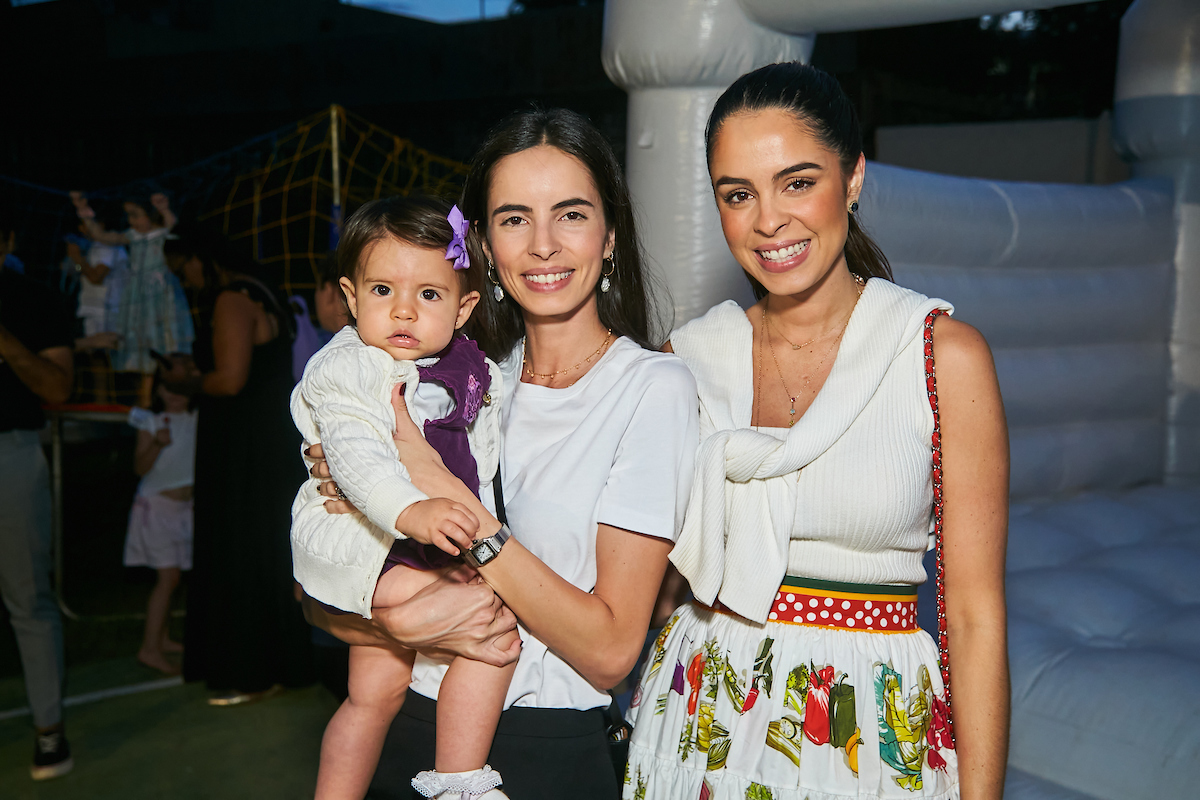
x: 605, y: 283
x: 497, y: 289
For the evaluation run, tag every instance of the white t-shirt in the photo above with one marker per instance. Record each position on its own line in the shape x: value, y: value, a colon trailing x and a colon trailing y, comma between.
x: 175, y: 465
x: 616, y: 448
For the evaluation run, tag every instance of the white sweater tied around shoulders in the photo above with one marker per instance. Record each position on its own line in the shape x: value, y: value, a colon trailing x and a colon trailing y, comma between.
x: 731, y: 549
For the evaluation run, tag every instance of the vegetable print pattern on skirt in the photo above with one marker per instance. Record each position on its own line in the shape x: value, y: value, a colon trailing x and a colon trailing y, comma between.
x: 739, y: 711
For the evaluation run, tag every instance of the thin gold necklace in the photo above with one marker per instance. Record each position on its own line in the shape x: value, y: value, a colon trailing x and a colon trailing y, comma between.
x: 807, y: 378
x: 786, y: 339
x: 546, y: 375
x: 857, y: 279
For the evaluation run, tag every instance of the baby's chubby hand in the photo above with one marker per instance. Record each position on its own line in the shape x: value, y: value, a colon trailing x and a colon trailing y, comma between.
x: 438, y: 521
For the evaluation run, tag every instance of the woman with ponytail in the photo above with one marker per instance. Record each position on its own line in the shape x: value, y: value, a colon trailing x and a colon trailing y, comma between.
x: 831, y: 458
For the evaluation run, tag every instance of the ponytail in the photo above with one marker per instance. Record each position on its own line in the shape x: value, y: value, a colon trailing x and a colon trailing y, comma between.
x: 863, y: 256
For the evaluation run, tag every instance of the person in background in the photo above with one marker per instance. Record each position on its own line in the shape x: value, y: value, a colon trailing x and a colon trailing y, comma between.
x: 154, y: 313
x: 330, y: 653
x: 35, y: 368
x: 160, y: 522
x: 245, y: 632
x: 329, y: 302
x: 329, y: 307
x: 101, y: 270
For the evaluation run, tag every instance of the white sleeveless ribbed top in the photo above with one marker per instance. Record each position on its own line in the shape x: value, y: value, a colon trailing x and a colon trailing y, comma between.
x: 845, y: 494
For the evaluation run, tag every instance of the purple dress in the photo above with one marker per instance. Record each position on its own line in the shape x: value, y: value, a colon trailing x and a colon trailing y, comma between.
x: 462, y: 369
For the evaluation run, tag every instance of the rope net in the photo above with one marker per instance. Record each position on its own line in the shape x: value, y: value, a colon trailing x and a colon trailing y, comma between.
x: 272, y: 197
x: 282, y: 213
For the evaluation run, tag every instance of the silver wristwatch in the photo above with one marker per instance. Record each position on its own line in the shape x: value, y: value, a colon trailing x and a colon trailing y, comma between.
x: 485, y: 550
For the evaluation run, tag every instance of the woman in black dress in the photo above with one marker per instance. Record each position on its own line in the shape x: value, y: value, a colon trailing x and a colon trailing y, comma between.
x: 244, y: 632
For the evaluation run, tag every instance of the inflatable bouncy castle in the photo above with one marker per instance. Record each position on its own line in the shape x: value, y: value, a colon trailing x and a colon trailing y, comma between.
x: 1090, y: 299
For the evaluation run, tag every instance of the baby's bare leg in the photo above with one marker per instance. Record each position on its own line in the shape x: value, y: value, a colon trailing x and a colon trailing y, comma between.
x: 379, y: 680
x: 468, y: 710
x: 400, y: 583
x: 353, y: 739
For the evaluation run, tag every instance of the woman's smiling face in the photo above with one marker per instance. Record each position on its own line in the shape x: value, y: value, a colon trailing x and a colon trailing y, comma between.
x: 546, y: 231
x: 783, y: 199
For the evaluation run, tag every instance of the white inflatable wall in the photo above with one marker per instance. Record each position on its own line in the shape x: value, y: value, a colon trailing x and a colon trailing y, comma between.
x: 674, y: 58
x: 1074, y: 286
x: 1156, y: 124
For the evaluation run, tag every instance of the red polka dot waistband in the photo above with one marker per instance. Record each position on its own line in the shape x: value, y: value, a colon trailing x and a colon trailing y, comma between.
x: 845, y: 606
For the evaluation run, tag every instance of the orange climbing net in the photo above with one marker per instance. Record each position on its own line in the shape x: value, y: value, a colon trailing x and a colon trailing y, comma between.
x: 282, y: 211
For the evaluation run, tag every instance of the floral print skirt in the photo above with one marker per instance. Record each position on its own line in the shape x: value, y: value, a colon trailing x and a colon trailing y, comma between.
x: 727, y: 709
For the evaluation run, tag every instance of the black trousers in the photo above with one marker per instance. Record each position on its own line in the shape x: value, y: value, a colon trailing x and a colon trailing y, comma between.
x: 541, y: 753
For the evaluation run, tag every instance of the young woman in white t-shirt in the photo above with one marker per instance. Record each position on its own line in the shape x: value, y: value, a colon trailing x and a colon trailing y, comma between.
x: 599, y: 439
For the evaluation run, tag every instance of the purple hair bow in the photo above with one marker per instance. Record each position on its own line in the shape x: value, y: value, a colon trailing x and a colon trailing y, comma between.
x: 458, y: 243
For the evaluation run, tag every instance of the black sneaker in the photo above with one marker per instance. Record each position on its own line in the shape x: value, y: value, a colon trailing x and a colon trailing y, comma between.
x: 51, y: 756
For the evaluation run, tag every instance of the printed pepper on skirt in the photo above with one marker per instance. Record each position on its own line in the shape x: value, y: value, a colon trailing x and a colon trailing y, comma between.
x: 730, y: 710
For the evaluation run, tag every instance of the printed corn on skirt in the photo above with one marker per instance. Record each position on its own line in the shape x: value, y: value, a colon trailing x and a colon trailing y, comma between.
x: 837, y: 696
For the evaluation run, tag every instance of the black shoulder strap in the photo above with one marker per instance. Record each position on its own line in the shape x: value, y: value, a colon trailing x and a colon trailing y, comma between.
x: 498, y: 493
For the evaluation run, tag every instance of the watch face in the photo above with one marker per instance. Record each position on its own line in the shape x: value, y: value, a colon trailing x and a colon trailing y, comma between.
x: 484, y: 552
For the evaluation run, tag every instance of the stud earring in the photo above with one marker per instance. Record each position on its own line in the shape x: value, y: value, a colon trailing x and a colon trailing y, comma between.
x: 497, y: 289
x: 611, y: 261
x: 854, y: 207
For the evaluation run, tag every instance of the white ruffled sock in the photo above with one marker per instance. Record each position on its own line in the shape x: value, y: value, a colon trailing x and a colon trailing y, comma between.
x: 478, y: 784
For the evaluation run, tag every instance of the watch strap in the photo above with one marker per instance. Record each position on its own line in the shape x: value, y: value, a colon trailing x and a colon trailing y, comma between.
x: 494, y: 543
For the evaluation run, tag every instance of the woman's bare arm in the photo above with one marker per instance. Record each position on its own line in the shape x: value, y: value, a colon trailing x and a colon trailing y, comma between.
x: 47, y: 373
x: 975, y: 485
x: 457, y: 615
x: 599, y: 633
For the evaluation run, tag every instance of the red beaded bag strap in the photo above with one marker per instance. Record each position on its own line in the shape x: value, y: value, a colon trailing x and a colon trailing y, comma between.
x: 940, y: 573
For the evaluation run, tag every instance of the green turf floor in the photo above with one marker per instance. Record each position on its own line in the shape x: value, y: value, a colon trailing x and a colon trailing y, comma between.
x: 168, y: 743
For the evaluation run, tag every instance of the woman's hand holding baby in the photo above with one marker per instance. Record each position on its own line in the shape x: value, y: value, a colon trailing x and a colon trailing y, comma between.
x: 440, y: 522
x: 424, y: 465
x: 458, y: 614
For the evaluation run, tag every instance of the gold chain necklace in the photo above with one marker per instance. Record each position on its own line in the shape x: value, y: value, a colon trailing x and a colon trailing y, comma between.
x: 546, y: 375
x: 858, y: 279
x: 807, y: 378
x: 786, y: 339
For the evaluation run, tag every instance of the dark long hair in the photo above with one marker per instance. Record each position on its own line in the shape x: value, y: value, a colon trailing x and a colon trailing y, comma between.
x: 627, y: 307
x: 817, y: 101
